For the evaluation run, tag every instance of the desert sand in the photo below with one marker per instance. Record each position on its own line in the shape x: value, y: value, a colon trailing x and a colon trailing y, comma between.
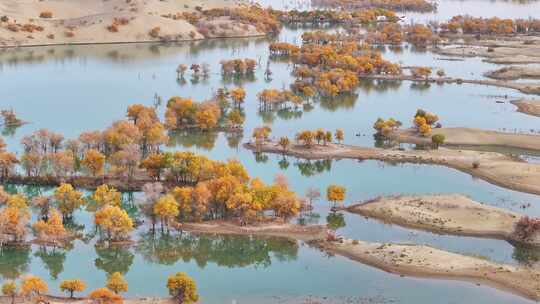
x: 472, y: 137
x: 291, y: 231
x: 444, y: 213
x: 528, y: 106
x: 514, y: 73
x: 87, y: 22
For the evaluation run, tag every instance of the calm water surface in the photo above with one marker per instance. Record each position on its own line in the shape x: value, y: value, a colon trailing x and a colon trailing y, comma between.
x: 73, y: 89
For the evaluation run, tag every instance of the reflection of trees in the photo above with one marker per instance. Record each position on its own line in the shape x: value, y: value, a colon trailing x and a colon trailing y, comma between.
x: 9, y: 131
x: 114, y: 259
x: 344, y: 101
x: 234, y: 139
x: 335, y: 220
x: 283, y: 163
x: 310, y: 218
x: 53, y: 259
x: 384, y: 142
x: 223, y: 250
x: 420, y: 86
x: 285, y: 114
x: 260, y: 157
x: 368, y: 85
x: 526, y: 254
x: 238, y: 80
x: 312, y: 167
x: 192, y: 138
x: 14, y: 261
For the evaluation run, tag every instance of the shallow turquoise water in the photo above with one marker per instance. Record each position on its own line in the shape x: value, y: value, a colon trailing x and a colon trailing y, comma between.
x: 72, y: 89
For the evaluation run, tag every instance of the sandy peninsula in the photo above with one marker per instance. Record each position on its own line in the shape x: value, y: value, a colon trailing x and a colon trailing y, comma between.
x: 445, y: 213
x: 472, y: 137
x: 493, y: 167
x: 528, y: 106
x: 425, y: 261
x: 52, y: 22
x: 514, y: 73
x: 517, y: 51
x: 291, y: 231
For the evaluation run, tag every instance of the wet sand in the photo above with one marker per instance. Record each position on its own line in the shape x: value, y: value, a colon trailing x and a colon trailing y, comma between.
x: 528, y: 106
x: 444, y: 213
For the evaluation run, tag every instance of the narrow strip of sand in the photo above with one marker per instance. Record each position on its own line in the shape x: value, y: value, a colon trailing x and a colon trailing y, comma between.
x: 291, y: 231
x: 445, y: 213
x: 493, y: 167
x: 428, y: 262
x: 472, y: 137
x: 527, y: 106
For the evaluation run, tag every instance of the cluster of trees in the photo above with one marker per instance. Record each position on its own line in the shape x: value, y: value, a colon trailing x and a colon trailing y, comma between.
x: 385, y: 33
x: 195, y: 68
x: 424, y: 121
x: 364, y: 16
x: 420, y: 35
x: 272, y: 99
x: 224, y: 192
x: 181, y: 287
x: 527, y: 228
x: 238, y: 67
x: 121, y: 146
x: 395, y: 5
x: 225, y: 109
x: 386, y: 127
x: 283, y: 49
x: 494, y: 25
x: 264, y: 20
x: 309, y: 138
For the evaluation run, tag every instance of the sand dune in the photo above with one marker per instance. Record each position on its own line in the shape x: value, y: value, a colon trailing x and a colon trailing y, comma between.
x: 87, y: 21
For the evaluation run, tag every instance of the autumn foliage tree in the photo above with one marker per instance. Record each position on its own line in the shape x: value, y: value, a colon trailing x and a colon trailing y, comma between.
x: 117, y: 283
x: 104, y: 296
x: 114, y: 222
x: 9, y: 289
x: 335, y: 194
x: 182, y: 288
x: 72, y: 286
x: 68, y: 200
x: 33, y: 286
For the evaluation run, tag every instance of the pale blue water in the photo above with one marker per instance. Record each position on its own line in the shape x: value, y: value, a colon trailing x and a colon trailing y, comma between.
x: 73, y: 89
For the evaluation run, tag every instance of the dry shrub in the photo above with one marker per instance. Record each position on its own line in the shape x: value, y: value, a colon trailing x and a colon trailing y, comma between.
x: 4, y: 18
x: 50, y: 36
x: 13, y: 27
x: 69, y: 34
x: 192, y: 34
x: 46, y: 14
x: 527, y: 227
x: 113, y: 28
x: 154, y: 33
x: 30, y: 28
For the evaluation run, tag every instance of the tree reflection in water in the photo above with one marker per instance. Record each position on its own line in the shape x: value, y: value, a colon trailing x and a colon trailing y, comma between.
x: 53, y: 259
x: 223, y: 250
x: 113, y: 259
x: 14, y: 261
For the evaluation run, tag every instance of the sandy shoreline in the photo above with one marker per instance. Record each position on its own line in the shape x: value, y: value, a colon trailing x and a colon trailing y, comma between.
x: 527, y: 106
x: 444, y: 213
x: 523, y: 87
x: 472, y: 137
x: 493, y: 167
x: 291, y: 231
x: 514, y: 73
x: 427, y: 262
